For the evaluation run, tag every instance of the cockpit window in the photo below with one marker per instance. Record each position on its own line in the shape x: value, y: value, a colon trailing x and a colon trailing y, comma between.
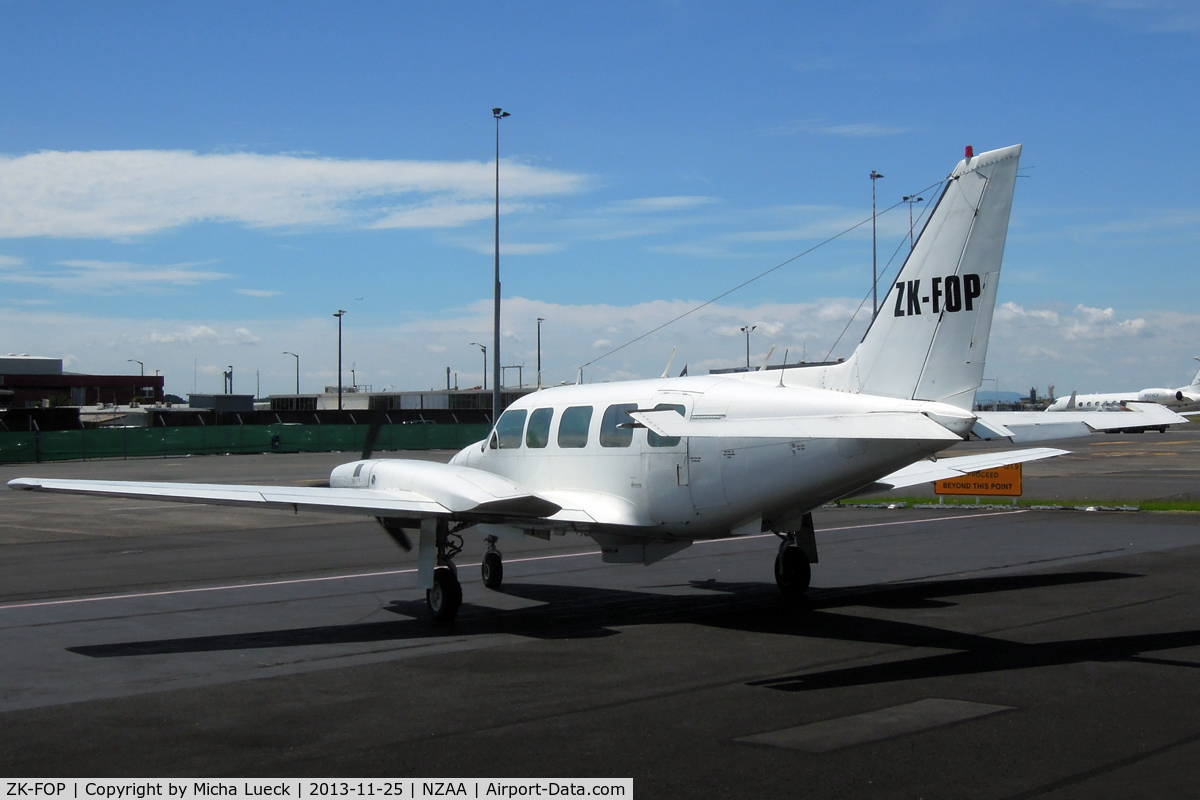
x: 539, y: 427
x: 512, y: 425
x: 616, y: 429
x: 653, y: 439
x: 573, y: 427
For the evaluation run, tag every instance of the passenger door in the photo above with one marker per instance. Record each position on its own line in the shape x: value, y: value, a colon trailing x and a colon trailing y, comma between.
x: 665, y: 473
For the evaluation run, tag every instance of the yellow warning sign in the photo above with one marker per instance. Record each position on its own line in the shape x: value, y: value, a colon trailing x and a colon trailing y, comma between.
x: 998, y: 482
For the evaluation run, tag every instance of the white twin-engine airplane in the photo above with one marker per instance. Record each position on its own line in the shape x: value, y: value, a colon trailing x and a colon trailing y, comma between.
x: 647, y: 467
x: 1181, y: 399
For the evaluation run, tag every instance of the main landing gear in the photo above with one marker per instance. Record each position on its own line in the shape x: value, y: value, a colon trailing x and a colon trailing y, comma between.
x: 793, y: 563
x: 792, y: 570
x: 445, y: 596
x: 492, y: 567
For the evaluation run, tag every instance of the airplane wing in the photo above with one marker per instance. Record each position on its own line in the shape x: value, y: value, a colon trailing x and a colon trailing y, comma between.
x: 926, y: 471
x: 882, y: 425
x: 1036, y: 426
x: 474, y: 502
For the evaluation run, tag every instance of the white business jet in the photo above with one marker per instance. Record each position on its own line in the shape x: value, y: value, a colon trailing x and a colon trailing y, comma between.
x: 647, y: 467
x: 1182, y: 399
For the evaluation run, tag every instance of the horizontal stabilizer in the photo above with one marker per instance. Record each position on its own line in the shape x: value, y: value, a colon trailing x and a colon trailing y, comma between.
x: 943, y: 468
x: 882, y: 425
x: 1038, y: 426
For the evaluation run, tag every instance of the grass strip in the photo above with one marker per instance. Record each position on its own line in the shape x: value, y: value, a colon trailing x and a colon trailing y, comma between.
x: 1006, y: 502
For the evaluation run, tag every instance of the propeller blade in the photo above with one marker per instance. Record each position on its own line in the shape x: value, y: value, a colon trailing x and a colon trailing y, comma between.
x: 377, y: 421
x: 396, y: 532
x: 401, y: 538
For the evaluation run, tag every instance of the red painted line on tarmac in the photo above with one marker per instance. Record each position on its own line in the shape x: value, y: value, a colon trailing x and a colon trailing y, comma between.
x: 356, y: 575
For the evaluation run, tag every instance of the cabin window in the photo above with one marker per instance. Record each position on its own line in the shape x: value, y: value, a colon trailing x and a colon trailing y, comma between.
x: 573, y: 427
x: 616, y: 429
x: 653, y: 439
x: 510, y: 428
x: 539, y: 427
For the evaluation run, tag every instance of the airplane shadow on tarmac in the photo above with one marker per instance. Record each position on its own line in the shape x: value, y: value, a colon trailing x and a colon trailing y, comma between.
x: 586, y: 612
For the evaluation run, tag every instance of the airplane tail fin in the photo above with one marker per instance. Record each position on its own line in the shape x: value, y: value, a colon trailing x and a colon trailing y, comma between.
x: 1196, y: 380
x: 929, y: 341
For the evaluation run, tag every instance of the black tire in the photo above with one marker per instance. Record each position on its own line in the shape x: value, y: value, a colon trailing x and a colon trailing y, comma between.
x: 792, y: 572
x: 445, y: 597
x: 492, y: 569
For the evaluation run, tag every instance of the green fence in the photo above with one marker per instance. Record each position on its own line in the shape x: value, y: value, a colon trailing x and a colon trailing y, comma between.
x: 21, y: 446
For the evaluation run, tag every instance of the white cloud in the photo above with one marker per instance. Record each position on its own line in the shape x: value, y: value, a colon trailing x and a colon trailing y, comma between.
x: 1084, y: 323
x: 1154, y: 222
x: 191, y: 333
x: 1096, y: 323
x: 1155, y: 16
x: 1078, y: 347
x: 514, y: 248
x: 91, y: 276
x: 121, y: 193
x: 259, y: 292
x: 645, y: 205
x: 1013, y: 313
x: 857, y: 130
x: 244, y: 336
x: 10, y: 261
x: 698, y: 251
x: 436, y: 215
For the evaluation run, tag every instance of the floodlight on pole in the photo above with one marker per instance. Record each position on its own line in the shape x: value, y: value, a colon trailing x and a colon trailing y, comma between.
x: 499, y: 114
x: 874, y: 257
x: 483, y: 348
x: 540, y: 320
x: 910, y: 199
x: 141, y: 366
x: 293, y: 355
x: 746, y: 330
x: 341, y: 312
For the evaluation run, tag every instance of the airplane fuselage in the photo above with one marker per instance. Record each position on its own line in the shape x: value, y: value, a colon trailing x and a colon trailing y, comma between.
x: 576, y: 446
x: 1184, y: 398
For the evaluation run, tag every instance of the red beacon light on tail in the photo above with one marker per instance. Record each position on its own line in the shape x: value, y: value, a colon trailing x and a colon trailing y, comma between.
x: 970, y: 151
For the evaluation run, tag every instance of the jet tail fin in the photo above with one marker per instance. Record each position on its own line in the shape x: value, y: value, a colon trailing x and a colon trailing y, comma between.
x: 929, y: 341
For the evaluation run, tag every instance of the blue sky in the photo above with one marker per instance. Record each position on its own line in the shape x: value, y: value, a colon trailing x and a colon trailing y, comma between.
x: 198, y: 185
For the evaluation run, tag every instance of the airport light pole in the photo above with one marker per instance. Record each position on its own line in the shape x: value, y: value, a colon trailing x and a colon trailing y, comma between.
x: 499, y: 114
x: 483, y: 348
x: 293, y: 355
x: 341, y: 312
x: 996, y: 383
x: 141, y: 366
x: 910, y: 200
x: 874, y: 258
x: 746, y: 330
x: 540, y: 320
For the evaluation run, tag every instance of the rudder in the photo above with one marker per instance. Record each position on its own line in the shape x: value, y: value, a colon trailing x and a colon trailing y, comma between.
x: 929, y: 341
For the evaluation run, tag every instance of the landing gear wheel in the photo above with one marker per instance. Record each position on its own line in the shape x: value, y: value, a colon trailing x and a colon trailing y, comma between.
x: 493, y: 570
x: 445, y: 597
x: 792, y: 571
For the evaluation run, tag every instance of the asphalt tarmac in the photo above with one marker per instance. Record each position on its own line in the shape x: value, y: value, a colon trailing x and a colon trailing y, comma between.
x: 996, y: 653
